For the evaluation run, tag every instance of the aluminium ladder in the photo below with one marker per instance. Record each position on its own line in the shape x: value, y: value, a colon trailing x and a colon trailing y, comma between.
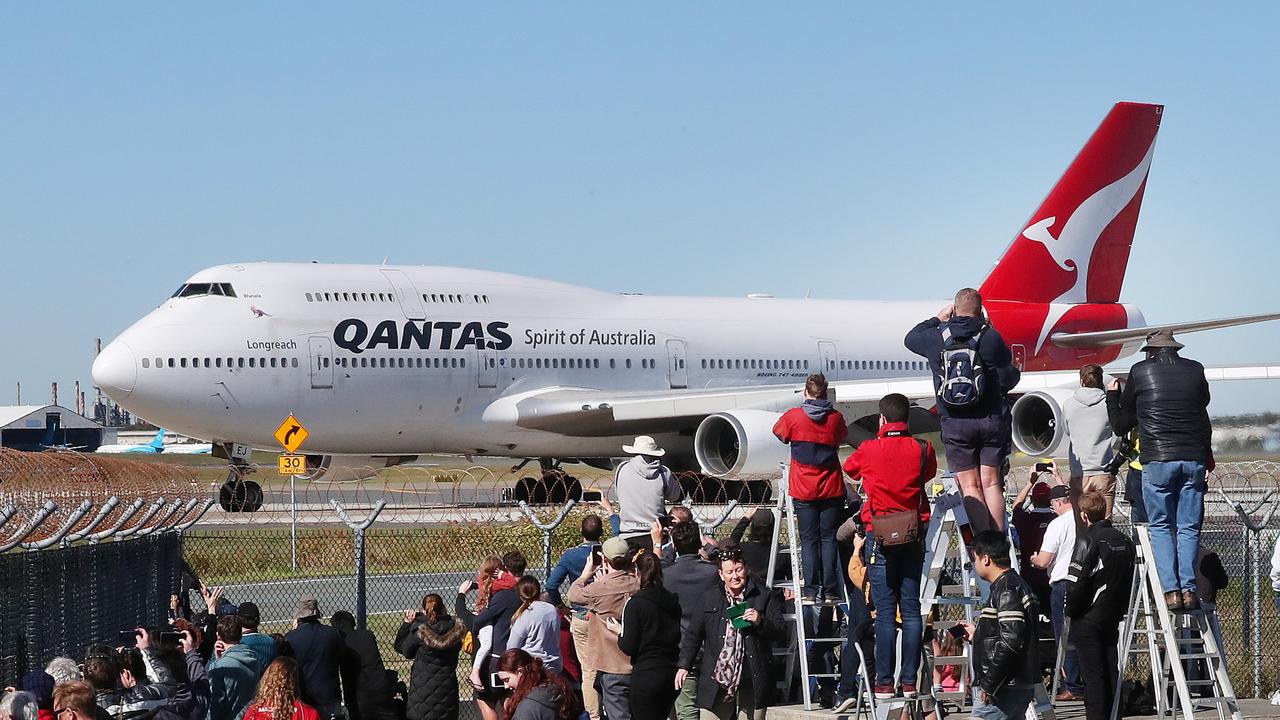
x: 801, y: 642
x: 1170, y: 639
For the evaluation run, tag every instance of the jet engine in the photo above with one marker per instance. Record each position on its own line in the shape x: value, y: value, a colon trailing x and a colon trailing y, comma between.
x: 1039, y: 426
x: 739, y: 442
x: 346, y: 468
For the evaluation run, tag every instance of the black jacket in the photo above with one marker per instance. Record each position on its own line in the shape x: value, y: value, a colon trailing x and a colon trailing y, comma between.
x: 433, y: 682
x: 1004, y: 642
x: 365, y: 684
x: 705, y: 640
x: 1166, y: 398
x: 756, y: 551
x: 497, y: 613
x: 1101, y: 575
x: 690, y: 578
x: 999, y: 374
x: 141, y: 699
x: 651, y: 630
x: 318, y: 650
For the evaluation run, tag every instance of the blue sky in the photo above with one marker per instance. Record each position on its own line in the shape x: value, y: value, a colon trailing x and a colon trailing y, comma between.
x: 707, y: 148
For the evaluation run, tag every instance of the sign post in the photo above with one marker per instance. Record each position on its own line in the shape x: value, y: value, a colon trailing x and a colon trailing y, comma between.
x: 291, y: 434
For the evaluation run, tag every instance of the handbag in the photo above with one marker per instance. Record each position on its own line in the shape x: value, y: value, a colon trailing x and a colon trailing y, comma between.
x: 900, y: 527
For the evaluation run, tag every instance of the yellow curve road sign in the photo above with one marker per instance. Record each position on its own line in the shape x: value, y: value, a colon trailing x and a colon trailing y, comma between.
x: 291, y: 434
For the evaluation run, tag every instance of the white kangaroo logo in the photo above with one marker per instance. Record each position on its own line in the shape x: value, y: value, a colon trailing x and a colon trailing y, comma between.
x: 1073, y: 248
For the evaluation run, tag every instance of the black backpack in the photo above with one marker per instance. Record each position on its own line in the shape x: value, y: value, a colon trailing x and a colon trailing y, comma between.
x: 962, y: 379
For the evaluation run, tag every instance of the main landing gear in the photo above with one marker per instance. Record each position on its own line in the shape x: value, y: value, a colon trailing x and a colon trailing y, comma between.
x: 238, y: 494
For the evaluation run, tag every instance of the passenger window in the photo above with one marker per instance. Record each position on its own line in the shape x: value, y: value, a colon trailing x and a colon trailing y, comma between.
x: 217, y: 362
x: 462, y: 362
x: 146, y: 362
x: 325, y: 361
x: 294, y: 362
x: 308, y: 297
x: 613, y: 364
x: 273, y: 362
x: 251, y: 363
x: 476, y: 298
x: 596, y: 363
x: 628, y: 363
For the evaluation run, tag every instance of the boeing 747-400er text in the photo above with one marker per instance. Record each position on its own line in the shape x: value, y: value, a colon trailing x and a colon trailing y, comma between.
x: 383, y: 363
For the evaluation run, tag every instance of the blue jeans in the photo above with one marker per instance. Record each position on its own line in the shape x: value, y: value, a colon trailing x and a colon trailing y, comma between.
x: 858, y: 633
x: 818, y: 520
x: 1133, y: 493
x: 894, y: 574
x: 1174, y: 495
x: 1058, y: 613
x: 1009, y: 704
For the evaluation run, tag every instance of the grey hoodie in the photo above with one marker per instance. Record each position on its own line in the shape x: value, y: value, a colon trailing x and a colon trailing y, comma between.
x: 1089, y: 431
x: 643, y: 486
x: 542, y: 703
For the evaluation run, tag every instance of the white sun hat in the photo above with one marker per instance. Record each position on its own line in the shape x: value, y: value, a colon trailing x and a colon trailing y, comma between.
x: 644, y: 445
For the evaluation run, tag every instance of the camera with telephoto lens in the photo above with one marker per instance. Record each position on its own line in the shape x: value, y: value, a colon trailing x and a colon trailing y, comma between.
x: 1123, y: 453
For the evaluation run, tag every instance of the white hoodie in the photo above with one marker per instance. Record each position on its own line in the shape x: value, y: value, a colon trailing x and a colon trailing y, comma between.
x: 1089, y: 431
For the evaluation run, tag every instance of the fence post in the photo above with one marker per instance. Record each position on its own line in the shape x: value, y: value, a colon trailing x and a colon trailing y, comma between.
x: 547, y: 529
x: 357, y: 530
x: 1253, y: 549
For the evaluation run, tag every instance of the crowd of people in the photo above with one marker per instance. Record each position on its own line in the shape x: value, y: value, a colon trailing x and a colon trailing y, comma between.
x: 658, y: 620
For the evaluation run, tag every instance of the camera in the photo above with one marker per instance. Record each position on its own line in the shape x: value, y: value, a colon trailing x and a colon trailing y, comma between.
x: 1123, y: 453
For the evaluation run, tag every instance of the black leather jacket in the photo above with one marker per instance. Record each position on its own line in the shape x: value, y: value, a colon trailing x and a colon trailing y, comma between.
x: 1166, y: 398
x: 1004, y: 641
x: 1101, y: 575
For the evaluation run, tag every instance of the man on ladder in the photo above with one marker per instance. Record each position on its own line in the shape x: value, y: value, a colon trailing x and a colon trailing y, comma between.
x: 1006, y: 664
x: 894, y: 468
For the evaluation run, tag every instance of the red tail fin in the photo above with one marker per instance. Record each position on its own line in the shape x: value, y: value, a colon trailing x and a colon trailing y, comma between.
x: 1075, y: 247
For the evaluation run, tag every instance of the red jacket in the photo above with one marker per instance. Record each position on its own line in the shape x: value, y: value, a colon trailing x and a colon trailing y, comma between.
x: 889, y: 467
x: 815, y: 464
x: 301, y: 711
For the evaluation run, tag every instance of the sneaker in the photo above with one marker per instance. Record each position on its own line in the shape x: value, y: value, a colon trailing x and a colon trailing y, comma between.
x: 884, y: 692
x: 908, y: 690
x: 1173, y: 601
x: 844, y: 705
x: 1190, y: 601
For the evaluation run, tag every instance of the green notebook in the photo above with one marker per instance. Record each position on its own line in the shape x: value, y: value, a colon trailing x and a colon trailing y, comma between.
x: 734, y: 614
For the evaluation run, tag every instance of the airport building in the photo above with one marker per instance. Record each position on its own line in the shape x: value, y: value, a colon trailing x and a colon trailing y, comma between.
x: 45, y: 427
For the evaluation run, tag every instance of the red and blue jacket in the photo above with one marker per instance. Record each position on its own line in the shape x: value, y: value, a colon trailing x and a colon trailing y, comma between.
x: 815, y: 431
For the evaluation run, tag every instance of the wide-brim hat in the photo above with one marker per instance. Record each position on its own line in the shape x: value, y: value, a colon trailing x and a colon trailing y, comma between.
x: 1161, y: 339
x: 307, y: 608
x: 644, y: 445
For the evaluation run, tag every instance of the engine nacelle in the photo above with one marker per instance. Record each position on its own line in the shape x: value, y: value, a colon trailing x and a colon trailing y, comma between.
x: 739, y: 442
x: 1039, y: 427
x: 346, y: 468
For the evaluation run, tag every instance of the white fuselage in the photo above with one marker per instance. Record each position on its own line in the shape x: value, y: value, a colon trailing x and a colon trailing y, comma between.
x: 405, y: 360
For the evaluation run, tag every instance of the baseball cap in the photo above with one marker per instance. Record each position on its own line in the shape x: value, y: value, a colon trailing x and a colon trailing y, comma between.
x: 1040, y: 494
x: 615, y: 547
x: 249, y: 611
x: 1060, y: 492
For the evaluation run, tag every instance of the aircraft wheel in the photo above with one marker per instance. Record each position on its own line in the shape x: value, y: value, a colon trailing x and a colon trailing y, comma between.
x: 240, y: 496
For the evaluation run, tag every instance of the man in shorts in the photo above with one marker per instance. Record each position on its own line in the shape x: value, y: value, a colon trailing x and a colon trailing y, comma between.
x: 976, y: 436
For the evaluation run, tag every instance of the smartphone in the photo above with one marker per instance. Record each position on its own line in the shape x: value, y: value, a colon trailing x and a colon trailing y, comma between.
x: 957, y: 632
x: 170, y: 637
x: 1044, y: 466
x: 597, y: 555
x: 128, y: 638
x: 495, y: 682
x: 664, y: 521
x: 592, y: 496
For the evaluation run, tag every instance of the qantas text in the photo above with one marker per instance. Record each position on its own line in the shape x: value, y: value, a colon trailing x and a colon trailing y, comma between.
x: 354, y: 335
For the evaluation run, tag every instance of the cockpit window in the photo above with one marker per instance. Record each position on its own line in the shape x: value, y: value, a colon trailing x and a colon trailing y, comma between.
x: 201, y: 289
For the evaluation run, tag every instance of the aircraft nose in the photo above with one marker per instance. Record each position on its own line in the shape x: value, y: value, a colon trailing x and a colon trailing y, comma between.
x: 116, y: 370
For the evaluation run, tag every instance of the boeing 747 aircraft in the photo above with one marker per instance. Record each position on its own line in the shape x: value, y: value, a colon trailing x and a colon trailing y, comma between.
x: 383, y: 363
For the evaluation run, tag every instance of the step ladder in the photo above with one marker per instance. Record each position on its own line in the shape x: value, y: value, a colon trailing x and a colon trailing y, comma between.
x: 801, y: 642
x: 946, y: 540
x: 1169, y: 639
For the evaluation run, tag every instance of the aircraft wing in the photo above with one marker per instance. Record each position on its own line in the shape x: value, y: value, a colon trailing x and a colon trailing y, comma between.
x: 589, y: 412
x: 1119, y: 337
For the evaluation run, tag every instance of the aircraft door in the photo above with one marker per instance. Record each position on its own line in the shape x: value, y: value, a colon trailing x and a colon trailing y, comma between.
x: 1019, y: 356
x: 827, y: 351
x: 677, y: 370
x: 486, y: 368
x: 321, y: 362
x: 406, y: 294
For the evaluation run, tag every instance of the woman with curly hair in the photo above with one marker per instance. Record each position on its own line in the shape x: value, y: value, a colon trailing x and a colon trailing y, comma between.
x: 278, y: 697
x: 432, y: 640
x: 494, y: 580
x: 536, y: 693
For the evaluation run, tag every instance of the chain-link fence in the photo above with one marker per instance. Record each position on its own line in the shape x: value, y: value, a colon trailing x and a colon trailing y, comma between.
x: 377, y: 546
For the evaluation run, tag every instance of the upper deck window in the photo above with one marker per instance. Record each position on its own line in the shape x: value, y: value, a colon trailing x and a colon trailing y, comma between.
x: 202, y: 289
